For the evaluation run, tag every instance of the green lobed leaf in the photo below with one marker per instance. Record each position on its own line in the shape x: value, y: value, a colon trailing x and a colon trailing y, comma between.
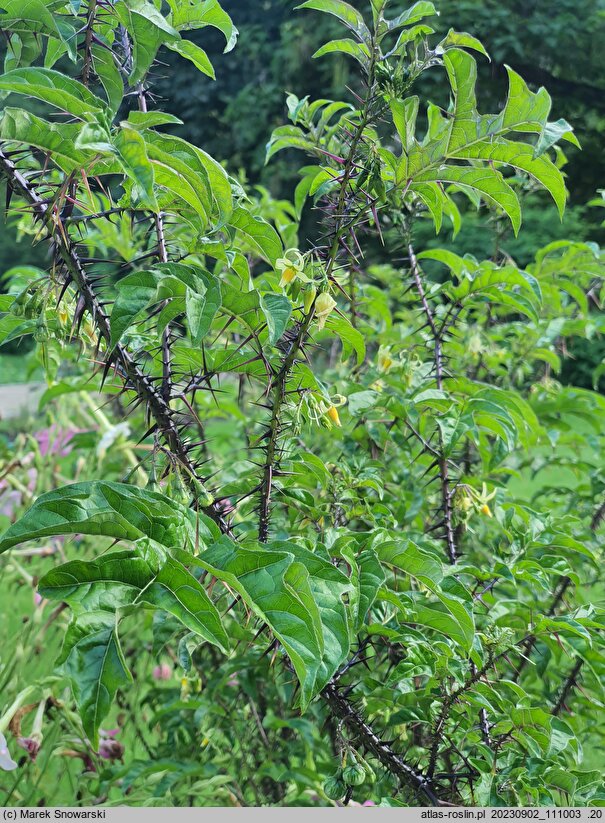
x: 277, y: 590
x: 346, y: 46
x: 135, y: 162
x: 194, y: 53
x: 196, y: 15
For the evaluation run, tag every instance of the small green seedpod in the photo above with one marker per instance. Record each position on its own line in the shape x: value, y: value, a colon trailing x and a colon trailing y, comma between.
x: 41, y: 334
x: 17, y: 309
x: 335, y: 787
x: 354, y: 775
x: 370, y: 773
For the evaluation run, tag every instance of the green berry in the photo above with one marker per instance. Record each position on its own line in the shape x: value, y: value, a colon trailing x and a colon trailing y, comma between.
x: 334, y: 787
x: 354, y: 775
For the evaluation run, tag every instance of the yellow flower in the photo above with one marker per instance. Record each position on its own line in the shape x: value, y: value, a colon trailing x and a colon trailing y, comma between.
x: 385, y: 361
x: 485, y: 509
x: 323, y: 308
x: 291, y: 266
x: 333, y: 415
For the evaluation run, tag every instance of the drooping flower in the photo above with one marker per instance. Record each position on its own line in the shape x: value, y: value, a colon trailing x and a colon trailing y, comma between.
x: 333, y: 415
x: 324, y: 305
x: 385, y: 360
x: 6, y: 761
x: 291, y: 266
x: 31, y: 745
x: 110, y: 748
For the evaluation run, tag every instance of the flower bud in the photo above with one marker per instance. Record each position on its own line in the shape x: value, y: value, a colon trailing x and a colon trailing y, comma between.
x: 310, y: 294
x: 333, y: 416
x: 163, y: 672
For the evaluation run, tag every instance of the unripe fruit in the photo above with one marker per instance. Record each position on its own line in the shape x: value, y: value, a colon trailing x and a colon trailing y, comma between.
x: 18, y: 309
x: 354, y: 775
x: 41, y: 334
x: 334, y: 787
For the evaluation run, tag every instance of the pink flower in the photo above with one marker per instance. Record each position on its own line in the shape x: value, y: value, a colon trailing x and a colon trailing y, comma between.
x: 110, y: 748
x: 31, y: 746
x: 54, y: 440
x: 10, y: 502
x: 37, y: 599
x: 368, y: 803
x: 163, y: 672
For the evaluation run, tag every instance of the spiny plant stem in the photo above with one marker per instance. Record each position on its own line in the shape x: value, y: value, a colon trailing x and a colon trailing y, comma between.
x: 162, y: 257
x: 271, y: 448
x: 132, y: 374
x: 87, y: 60
x: 570, y: 683
x: 530, y: 642
x: 364, y: 733
x: 442, y: 462
x: 279, y: 382
x: 446, y: 707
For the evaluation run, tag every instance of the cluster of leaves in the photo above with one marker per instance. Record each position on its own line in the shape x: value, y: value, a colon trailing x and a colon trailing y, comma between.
x: 363, y: 506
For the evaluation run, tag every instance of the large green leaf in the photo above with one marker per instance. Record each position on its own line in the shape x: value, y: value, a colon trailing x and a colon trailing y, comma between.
x: 328, y: 586
x: 187, y: 15
x: 352, y: 340
x: 135, y: 162
x: 28, y: 16
x: 148, y: 28
x: 136, y: 292
x: 95, y: 664
x: 260, y: 234
x: 346, y: 46
x: 58, y: 139
x: 54, y: 88
x: 195, y: 292
x: 348, y: 15
x: 487, y: 181
x: 278, y: 591
x: 277, y: 310
x: 123, y: 579
x: 109, y: 75
x: 113, y: 510
x: 484, y: 140
x: 197, y: 172
x: 194, y: 53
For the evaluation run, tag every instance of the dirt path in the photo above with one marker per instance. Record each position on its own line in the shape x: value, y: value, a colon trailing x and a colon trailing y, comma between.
x: 19, y: 398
